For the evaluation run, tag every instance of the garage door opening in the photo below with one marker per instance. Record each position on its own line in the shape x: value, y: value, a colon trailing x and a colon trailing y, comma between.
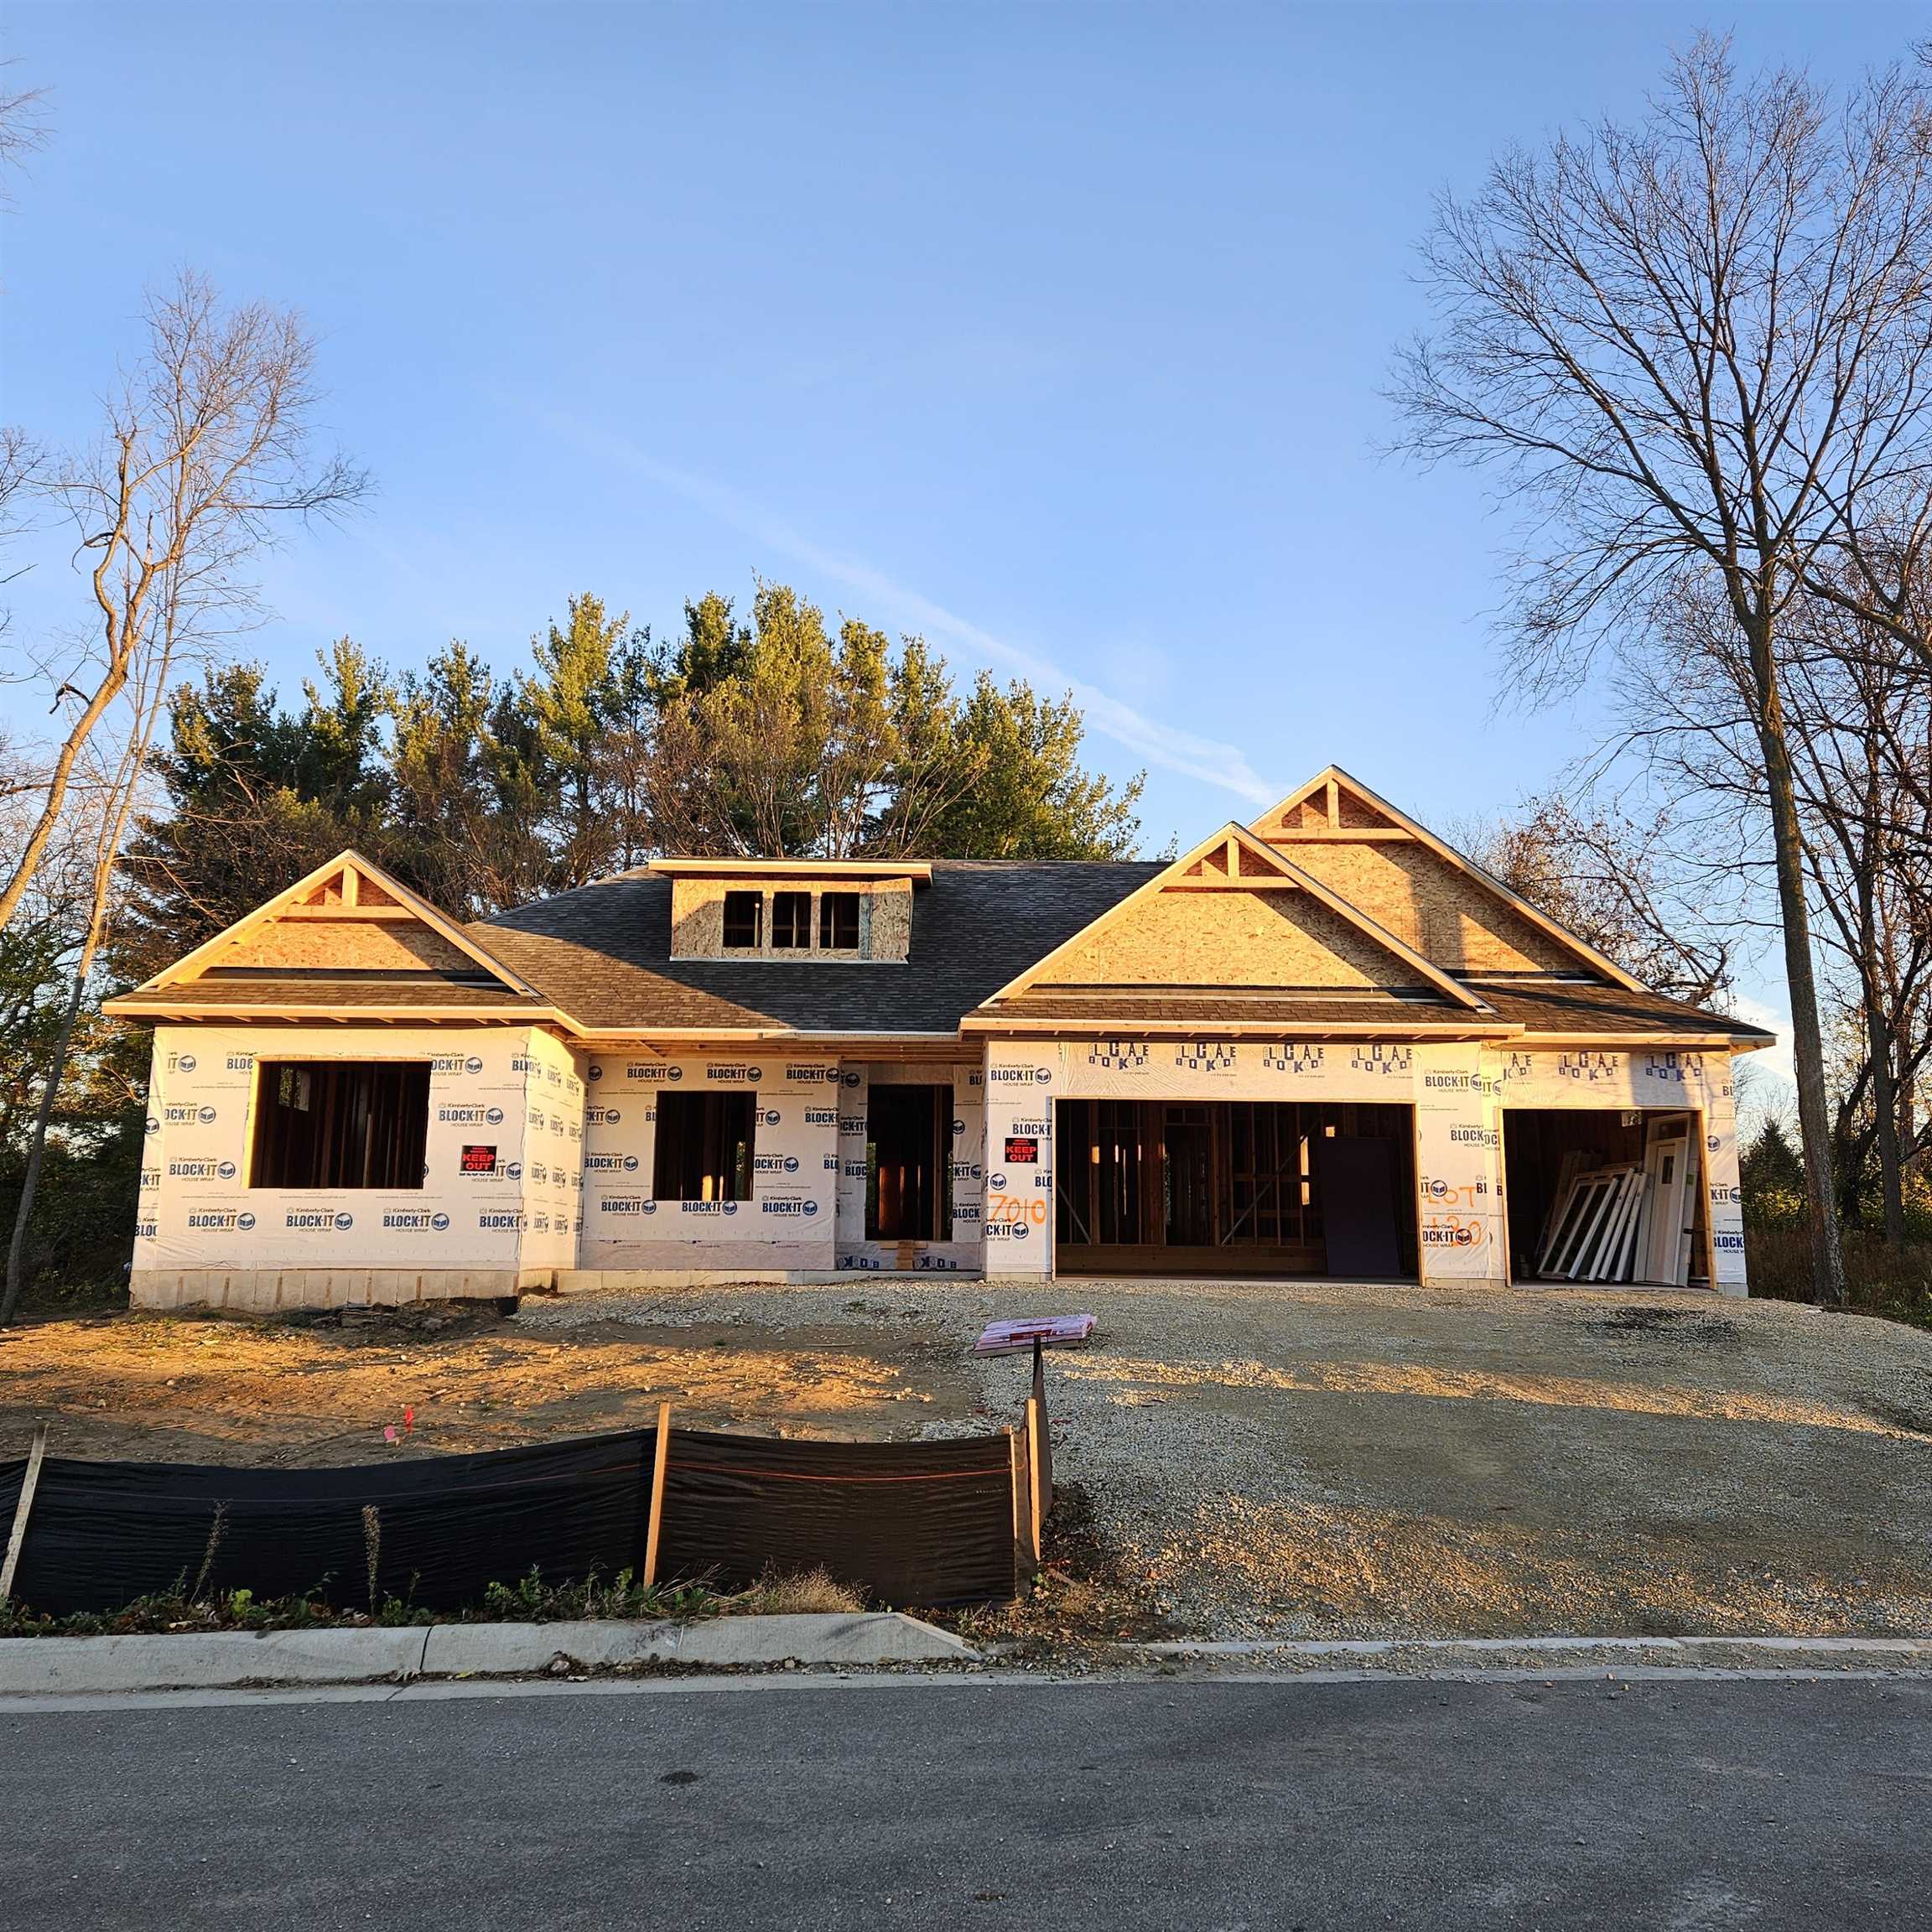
x: 1597, y: 1194
x: 1210, y: 1188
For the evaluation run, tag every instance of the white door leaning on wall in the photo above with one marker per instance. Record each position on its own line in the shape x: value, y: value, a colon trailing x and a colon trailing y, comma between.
x: 1666, y: 1168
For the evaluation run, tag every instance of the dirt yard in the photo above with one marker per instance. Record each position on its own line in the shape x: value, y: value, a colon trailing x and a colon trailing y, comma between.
x: 1261, y: 1461
x: 190, y: 1388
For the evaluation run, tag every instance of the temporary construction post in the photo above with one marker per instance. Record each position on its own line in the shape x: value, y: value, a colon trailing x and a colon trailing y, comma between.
x: 658, y: 1461
x: 28, y: 1483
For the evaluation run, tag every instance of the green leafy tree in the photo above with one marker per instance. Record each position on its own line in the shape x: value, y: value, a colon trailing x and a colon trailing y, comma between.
x: 1030, y: 796
x: 585, y: 686
x: 446, y: 812
x: 775, y: 739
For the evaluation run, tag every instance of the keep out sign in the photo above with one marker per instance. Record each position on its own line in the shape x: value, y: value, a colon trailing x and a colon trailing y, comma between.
x: 1022, y: 1150
x: 479, y: 1160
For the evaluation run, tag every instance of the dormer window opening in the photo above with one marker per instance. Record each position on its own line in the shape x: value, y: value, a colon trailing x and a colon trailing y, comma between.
x: 838, y: 922
x: 743, y: 920
x: 792, y: 921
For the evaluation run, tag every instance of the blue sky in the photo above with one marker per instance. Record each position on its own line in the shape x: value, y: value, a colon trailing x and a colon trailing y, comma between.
x: 1055, y: 332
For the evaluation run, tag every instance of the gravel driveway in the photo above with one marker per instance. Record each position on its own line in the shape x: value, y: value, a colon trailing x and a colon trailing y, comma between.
x: 1317, y: 1459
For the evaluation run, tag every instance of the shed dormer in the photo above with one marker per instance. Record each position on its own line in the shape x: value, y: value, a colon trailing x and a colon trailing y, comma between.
x: 843, y: 911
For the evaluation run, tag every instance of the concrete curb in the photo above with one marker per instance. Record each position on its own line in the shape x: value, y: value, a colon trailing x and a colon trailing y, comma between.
x: 206, y: 1660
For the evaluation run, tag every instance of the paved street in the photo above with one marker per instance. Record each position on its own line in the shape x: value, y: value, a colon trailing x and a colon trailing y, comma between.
x: 1677, y: 1803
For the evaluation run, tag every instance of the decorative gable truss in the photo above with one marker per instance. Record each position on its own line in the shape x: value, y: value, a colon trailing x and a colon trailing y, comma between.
x: 1401, y: 875
x: 1235, y: 912
x: 348, y: 941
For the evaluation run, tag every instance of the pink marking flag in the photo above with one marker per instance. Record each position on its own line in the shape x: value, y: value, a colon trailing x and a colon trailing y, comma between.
x: 1052, y: 1331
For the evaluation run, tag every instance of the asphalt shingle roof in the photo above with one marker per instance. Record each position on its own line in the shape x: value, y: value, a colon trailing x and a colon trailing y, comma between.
x: 1212, y: 1005
x: 371, y: 993
x: 1544, y: 1008
x: 603, y: 952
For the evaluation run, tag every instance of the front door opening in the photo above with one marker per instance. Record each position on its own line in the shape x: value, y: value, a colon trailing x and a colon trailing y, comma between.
x: 1235, y: 1187
x: 908, y: 1164
x: 1604, y: 1194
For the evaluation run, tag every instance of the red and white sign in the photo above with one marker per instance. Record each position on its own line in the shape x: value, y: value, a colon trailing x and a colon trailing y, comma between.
x: 1052, y: 1331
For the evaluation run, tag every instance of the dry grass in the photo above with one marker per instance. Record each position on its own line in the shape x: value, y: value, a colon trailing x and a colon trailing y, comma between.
x: 802, y: 1593
x: 1894, y: 1282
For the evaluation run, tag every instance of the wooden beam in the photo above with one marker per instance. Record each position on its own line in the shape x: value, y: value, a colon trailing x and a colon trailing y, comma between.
x: 349, y: 910
x: 659, y: 1462
x: 30, y: 1481
x: 1334, y: 803
x: 1036, y: 1495
x: 1340, y: 834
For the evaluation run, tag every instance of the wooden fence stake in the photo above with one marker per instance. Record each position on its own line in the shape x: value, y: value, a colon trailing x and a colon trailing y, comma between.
x: 30, y: 1481
x: 1046, y: 1428
x: 1035, y: 1426
x: 656, y: 1520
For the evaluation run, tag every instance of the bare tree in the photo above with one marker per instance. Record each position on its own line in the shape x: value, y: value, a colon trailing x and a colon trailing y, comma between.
x: 1694, y: 347
x: 112, y: 795
x: 1861, y: 738
x: 206, y: 453
x: 1616, y: 882
x: 1859, y: 732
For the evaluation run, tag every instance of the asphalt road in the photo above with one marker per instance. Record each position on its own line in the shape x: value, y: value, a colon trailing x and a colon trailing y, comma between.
x: 1694, y: 1805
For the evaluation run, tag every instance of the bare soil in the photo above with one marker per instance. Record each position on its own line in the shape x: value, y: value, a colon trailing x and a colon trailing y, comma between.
x: 219, y: 1389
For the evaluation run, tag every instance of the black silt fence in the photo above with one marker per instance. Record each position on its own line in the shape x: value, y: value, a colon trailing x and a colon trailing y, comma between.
x: 908, y: 1521
x: 101, y: 1534
x: 905, y: 1523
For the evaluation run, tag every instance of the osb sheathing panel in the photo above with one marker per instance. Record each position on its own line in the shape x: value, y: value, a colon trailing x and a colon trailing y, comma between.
x: 1451, y: 919
x: 1230, y: 938
x: 697, y: 918
x: 887, y: 909
x: 347, y: 944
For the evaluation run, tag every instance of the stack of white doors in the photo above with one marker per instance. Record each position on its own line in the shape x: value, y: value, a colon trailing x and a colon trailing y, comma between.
x: 1628, y: 1222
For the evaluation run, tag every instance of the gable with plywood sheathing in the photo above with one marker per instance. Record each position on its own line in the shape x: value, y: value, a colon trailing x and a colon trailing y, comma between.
x: 1407, y: 881
x: 1234, y: 913
x: 1237, y: 938
x: 344, y: 933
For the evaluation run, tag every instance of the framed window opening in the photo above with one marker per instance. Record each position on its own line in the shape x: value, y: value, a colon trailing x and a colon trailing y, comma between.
x: 743, y: 920
x: 838, y: 922
x: 704, y: 1147
x: 340, y: 1123
x: 792, y: 921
